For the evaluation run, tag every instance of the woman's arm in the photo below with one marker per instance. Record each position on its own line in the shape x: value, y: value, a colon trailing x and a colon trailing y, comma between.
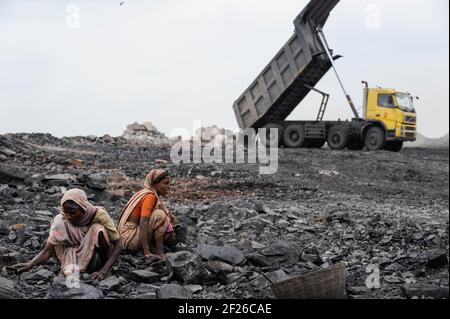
x: 143, y: 225
x: 115, y: 253
x: 148, y: 205
x: 41, y: 258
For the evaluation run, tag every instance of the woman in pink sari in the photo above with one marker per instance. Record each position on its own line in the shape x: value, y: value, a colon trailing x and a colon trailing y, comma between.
x: 83, y: 236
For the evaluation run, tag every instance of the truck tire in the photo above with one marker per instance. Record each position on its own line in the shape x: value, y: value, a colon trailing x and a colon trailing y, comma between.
x: 394, y: 146
x: 375, y: 139
x: 266, y: 139
x: 317, y: 144
x: 294, y: 136
x: 338, y: 137
x: 355, y: 145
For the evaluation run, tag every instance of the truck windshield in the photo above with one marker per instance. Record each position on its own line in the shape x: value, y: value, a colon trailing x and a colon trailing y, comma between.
x: 405, y: 102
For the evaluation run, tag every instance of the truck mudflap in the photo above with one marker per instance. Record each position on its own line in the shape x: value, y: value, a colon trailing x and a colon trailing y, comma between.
x: 390, y: 135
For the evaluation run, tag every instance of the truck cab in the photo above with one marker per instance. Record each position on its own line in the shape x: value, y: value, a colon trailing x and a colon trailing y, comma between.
x: 394, y: 111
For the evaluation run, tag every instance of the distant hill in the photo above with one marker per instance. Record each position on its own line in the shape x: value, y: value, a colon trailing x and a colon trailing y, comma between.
x: 425, y: 142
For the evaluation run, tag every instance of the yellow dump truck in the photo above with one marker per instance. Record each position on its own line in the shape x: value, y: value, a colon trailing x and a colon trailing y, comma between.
x: 388, y: 120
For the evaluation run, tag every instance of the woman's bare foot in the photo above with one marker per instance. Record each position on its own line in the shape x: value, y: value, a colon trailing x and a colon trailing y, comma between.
x: 162, y: 256
x: 152, y: 257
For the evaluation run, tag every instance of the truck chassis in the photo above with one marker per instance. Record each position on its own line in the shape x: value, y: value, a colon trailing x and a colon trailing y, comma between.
x: 353, y: 135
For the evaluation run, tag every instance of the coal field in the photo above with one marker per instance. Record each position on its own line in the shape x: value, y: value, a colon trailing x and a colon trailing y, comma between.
x: 384, y: 215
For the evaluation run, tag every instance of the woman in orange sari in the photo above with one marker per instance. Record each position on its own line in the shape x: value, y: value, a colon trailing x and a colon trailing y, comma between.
x: 145, y: 223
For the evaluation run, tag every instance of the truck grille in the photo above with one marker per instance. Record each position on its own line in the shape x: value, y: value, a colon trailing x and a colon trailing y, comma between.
x: 410, y: 119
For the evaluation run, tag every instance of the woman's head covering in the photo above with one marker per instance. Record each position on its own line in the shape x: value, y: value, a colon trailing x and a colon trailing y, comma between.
x: 154, y: 177
x: 79, y: 197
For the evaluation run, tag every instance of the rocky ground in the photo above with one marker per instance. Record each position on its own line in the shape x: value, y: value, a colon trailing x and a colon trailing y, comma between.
x: 379, y: 213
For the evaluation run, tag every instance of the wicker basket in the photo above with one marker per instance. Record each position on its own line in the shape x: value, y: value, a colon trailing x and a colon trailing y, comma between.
x: 323, y: 284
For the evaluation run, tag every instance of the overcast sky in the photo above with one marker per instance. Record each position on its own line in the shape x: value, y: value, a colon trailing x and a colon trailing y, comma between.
x: 175, y: 61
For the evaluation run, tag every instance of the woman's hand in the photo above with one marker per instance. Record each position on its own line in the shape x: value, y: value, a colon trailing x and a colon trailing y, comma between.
x: 23, y: 267
x: 98, y: 276
x: 117, y: 249
x: 42, y: 257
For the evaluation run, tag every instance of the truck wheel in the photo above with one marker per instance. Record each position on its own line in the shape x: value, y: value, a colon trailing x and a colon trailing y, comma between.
x: 355, y: 145
x: 268, y: 139
x: 395, y: 146
x: 375, y: 139
x: 314, y: 144
x: 294, y: 136
x: 338, y: 138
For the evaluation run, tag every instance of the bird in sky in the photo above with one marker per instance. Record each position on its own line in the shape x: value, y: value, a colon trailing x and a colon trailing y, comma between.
x: 122, y: 3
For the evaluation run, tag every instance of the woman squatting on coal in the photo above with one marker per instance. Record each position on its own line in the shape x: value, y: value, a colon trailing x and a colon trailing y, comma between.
x: 83, y: 236
x: 146, y: 224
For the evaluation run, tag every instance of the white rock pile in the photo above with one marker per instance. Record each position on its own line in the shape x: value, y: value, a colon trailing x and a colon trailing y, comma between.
x: 145, y: 133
